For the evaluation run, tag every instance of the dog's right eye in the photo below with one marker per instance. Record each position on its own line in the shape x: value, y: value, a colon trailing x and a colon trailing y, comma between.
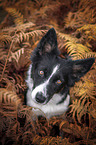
x: 58, y: 82
x: 41, y: 73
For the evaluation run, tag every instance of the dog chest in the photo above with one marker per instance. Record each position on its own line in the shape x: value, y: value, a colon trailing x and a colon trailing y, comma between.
x: 51, y: 108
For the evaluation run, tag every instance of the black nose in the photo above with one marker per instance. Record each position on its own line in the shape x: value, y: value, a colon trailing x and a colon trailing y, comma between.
x: 40, y: 97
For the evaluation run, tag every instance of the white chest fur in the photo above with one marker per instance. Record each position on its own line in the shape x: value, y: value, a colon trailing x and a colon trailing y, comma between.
x: 51, y: 108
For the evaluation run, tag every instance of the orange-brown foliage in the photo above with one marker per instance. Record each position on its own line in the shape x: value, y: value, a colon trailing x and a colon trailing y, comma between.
x: 22, y: 24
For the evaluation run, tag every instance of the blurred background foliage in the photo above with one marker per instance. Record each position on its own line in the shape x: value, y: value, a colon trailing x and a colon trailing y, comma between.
x: 22, y: 25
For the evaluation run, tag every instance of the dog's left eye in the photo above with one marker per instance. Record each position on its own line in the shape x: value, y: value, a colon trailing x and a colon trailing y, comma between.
x: 58, y: 82
x: 41, y: 73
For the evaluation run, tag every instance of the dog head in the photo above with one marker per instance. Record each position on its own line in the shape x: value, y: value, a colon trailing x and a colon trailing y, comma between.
x: 49, y: 73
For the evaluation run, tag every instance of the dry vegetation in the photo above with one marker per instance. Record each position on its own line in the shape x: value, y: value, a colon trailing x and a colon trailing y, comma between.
x: 22, y: 24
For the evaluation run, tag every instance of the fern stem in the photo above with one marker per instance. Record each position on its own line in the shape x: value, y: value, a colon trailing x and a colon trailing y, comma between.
x: 6, y: 61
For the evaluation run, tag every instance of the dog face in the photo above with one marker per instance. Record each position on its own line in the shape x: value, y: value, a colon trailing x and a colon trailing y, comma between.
x: 50, y: 74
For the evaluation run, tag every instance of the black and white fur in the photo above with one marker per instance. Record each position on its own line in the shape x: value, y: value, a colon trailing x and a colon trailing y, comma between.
x: 50, y: 77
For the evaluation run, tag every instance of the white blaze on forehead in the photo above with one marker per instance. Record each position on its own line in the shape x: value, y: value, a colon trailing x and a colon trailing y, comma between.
x: 53, y: 72
x: 43, y: 87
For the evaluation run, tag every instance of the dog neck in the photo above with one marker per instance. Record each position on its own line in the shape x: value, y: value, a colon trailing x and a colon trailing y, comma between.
x: 52, y: 108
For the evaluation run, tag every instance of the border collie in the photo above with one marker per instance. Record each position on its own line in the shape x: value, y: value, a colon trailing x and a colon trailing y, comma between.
x: 49, y: 77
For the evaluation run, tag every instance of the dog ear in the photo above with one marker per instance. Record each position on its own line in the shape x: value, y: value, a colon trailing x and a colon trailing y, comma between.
x: 79, y: 69
x: 48, y: 44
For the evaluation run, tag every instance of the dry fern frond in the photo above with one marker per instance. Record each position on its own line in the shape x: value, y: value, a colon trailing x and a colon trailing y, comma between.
x: 18, y: 28
x: 72, y: 128
x: 92, y: 109
x: 19, y: 83
x: 17, y: 39
x: 9, y: 102
x: 86, y: 14
x: 85, y: 91
x: 16, y: 55
x: 50, y: 140
x: 79, y: 108
x: 41, y: 3
x: 83, y: 133
x: 5, y: 41
x: 2, y: 65
x: 18, y: 17
x: 88, y: 34
x: 3, y: 54
x: 89, y: 30
x: 8, y: 83
x: 87, y: 86
x: 27, y: 36
x: 66, y: 37
x: 75, y: 49
x: 83, y: 4
x: 4, y: 38
x: 89, y: 54
x: 15, y: 119
x: 8, y: 97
